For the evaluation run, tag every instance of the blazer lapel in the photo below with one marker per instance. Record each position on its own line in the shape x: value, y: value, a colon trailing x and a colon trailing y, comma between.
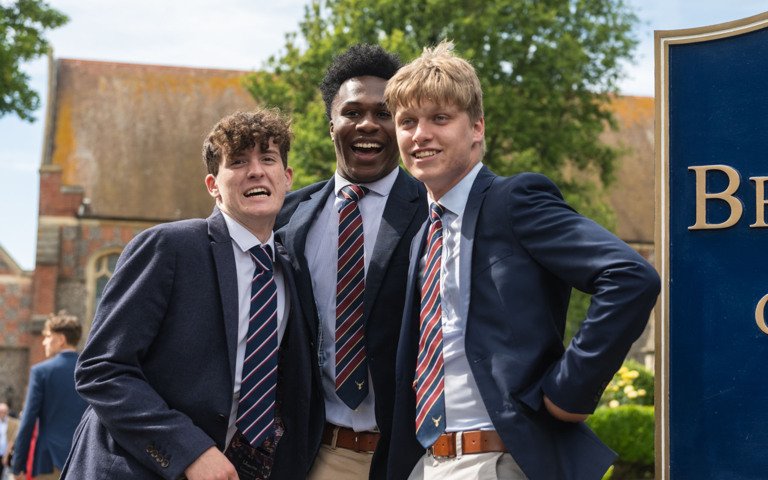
x: 226, y: 272
x: 295, y: 240
x: 468, y: 226
x: 402, y: 205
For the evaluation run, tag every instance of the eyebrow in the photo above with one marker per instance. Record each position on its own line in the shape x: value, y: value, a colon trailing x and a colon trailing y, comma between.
x: 356, y: 102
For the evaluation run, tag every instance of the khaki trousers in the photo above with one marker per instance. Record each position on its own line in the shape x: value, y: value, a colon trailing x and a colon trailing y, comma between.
x: 49, y: 476
x: 480, y: 466
x: 340, y: 464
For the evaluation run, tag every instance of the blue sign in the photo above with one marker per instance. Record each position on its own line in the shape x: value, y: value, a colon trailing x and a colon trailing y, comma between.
x: 712, y: 249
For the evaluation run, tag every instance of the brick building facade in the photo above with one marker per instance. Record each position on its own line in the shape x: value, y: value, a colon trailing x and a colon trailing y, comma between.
x: 121, y: 153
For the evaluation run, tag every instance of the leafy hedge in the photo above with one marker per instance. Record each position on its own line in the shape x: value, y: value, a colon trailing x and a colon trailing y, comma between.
x: 629, y: 431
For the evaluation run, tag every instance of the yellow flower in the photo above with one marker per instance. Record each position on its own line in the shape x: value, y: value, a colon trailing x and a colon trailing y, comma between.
x: 613, y: 403
x: 630, y: 375
x: 641, y: 392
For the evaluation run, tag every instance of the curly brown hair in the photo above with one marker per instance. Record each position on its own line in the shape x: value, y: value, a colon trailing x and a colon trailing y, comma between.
x: 65, y: 324
x: 242, y: 131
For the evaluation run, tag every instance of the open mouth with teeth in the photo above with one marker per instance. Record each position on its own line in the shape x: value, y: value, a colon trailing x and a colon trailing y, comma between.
x: 425, y: 153
x: 367, y: 147
x: 256, y: 192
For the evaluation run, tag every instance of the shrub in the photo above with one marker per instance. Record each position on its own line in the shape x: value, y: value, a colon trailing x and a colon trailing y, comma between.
x: 629, y: 431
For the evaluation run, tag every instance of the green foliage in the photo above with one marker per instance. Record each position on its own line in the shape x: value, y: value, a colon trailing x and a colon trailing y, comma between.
x: 631, y: 385
x: 546, y: 66
x: 629, y: 431
x: 22, y: 27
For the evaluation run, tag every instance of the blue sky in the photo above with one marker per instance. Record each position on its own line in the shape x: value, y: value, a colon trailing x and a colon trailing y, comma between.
x: 233, y: 34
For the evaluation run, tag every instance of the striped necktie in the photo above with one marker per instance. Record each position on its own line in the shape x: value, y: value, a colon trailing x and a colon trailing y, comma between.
x: 256, y: 409
x: 351, y: 362
x: 430, y: 398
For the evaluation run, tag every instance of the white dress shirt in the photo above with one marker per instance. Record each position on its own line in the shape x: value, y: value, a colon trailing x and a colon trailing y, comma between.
x: 321, y: 253
x: 464, y: 407
x: 242, y: 241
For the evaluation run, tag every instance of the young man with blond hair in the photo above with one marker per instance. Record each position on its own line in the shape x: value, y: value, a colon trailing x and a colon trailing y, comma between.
x: 485, y: 385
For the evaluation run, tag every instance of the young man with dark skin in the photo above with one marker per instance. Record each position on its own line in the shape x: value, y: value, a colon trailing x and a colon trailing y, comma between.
x: 198, y: 365
x: 348, y: 239
x: 485, y: 385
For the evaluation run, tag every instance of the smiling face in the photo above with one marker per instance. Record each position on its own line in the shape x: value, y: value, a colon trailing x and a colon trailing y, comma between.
x: 250, y: 187
x: 439, y: 144
x: 363, y: 131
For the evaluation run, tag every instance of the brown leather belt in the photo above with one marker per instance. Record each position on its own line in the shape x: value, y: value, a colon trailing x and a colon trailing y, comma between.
x: 476, y: 441
x: 351, y: 440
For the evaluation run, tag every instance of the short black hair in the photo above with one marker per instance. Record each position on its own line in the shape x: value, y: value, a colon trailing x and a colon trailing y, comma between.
x: 358, y: 61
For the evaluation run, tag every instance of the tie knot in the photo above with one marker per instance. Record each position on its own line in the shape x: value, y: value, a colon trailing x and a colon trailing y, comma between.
x: 353, y: 193
x: 435, y: 212
x: 262, y: 256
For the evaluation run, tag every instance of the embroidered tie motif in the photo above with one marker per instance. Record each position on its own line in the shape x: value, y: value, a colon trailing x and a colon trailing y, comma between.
x: 430, y: 398
x: 351, y: 362
x: 256, y: 408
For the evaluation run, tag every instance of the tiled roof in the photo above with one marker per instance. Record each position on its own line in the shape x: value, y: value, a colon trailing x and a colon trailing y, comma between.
x: 131, y: 135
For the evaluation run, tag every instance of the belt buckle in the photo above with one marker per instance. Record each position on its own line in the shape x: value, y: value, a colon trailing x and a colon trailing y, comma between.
x: 451, y: 444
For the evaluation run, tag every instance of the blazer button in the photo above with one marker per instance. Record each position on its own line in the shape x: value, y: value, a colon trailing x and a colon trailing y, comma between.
x: 221, y: 417
x: 164, y: 463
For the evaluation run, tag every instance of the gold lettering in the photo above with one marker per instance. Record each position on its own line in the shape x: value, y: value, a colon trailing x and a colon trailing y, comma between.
x: 759, y: 201
x: 760, y: 315
x: 726, y: 195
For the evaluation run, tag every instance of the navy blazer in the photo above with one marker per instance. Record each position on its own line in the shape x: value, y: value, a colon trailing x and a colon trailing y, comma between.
x: 51, y: 399
x: 405, y: 210
x: 522, y: 250
x: 158, y: 368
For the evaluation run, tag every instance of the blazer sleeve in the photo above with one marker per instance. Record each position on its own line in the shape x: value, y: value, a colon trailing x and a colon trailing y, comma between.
x: 32, y: 408
x: 109, y: 374
x: 586, y: 256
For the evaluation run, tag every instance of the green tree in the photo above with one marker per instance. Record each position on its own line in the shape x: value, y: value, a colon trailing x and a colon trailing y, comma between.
x: 23, y: 24
x: 548, y: 68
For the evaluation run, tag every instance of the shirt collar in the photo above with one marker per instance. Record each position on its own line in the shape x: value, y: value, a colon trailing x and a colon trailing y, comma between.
x: 381, y: 186
x: 244, y: 239
x: 455, y: 200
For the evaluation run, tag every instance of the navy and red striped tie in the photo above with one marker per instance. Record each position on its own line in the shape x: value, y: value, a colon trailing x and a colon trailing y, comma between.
x: 351, y: 362
x: 256, y: 408
x: 430, y: 388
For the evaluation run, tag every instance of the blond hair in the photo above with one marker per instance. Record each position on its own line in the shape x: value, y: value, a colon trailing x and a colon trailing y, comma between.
x: 438, y: 76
